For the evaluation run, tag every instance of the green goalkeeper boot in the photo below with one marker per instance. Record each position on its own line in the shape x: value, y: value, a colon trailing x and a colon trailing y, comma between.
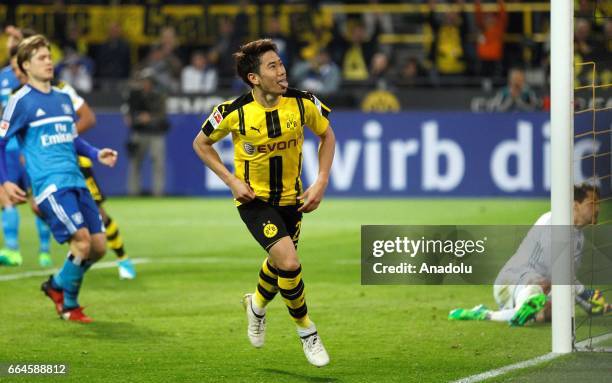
x: 477, y: 313
x: 10, y: 257
x: 528, y: 310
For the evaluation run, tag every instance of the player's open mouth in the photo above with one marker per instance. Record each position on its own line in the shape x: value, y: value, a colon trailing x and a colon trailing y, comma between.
x: 283, y: 83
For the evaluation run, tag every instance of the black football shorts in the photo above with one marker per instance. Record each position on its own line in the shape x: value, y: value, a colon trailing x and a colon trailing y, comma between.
x: 268, y: 224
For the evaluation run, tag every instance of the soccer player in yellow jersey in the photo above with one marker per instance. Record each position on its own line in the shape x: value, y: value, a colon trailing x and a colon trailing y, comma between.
x: 267, y: 128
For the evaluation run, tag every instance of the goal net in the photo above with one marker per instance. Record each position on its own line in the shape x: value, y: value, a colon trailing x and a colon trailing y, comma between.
x: 592, y: 161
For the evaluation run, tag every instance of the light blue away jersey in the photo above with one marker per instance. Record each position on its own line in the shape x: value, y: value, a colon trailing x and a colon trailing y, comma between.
x: 44, y: 125
x: 8, y: 82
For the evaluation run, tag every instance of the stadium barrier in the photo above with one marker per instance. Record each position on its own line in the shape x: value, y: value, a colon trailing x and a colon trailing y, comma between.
x: 444, y: 154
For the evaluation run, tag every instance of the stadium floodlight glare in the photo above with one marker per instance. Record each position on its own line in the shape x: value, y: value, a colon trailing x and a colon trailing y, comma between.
x: 562, y: 141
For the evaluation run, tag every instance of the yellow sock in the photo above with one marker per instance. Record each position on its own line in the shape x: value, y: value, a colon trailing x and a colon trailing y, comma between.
x: 291, y: 287
x: 267, y: 285
x: 114, y: 239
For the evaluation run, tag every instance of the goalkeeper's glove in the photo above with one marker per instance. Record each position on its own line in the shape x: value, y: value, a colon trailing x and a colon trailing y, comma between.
x: 592, y: 301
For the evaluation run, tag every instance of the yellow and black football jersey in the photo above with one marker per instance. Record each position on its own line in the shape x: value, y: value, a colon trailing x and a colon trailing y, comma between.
x: 268, y: 141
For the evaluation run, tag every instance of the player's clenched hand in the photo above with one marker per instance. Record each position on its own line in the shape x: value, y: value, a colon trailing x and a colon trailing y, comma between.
x: 312, y: 197
x: 15, y: 193
x: 107, y: 157
x: 241, y: 191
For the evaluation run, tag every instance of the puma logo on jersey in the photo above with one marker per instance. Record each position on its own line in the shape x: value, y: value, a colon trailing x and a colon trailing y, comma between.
x: 40, y: 112
x: 254, y: 128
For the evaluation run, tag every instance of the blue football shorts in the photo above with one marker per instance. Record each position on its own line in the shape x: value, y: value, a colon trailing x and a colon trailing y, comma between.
x: 69, y: 209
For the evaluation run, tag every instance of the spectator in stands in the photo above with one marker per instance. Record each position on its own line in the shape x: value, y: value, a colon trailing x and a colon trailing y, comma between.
x: 319, y: 75
x: 448, y: 51
x: 412, y: 72
x: 74, y: 41
x: 286, y: 47
x: 585, y: 9
x: 163, y: 68
x: 585, y: 49
x: 606, y: 75
x: 357, y: 50
x: 146, y: 116
x: 171, y: 48
x: 517, y: 96
x: 76, y: 73
x: 312, y: 32
x: 378, y: 22
x: 490, y: 43
x: 381, y: 74
x: 583, y: 42
x: 200, y: 76
x: 228, y: 41
x: 112, y: 58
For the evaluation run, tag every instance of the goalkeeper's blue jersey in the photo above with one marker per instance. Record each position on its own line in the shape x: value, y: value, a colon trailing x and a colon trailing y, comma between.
x: 8, y: 82
x: 44, y: 125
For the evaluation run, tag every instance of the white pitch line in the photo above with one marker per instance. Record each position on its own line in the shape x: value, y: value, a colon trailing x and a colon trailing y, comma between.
x: 138, y: 261
x: 500, y: 371
x: 40, y: 273
x: 27, y: 274
x: 528, y: 363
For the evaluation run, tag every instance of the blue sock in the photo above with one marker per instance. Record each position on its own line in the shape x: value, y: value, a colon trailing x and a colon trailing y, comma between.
x: 44, y: 235
x: 10, y: 227
x: 69, y: 278
x: 56, y: 282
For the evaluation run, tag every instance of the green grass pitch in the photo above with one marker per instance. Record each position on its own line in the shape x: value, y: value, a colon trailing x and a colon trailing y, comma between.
x: 181, y: 319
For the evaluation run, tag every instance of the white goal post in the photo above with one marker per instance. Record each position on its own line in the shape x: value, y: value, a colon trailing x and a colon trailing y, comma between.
x: 562, y: 142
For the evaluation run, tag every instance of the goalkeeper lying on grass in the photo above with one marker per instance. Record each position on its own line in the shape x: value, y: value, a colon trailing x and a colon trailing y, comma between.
x: 522, y: 288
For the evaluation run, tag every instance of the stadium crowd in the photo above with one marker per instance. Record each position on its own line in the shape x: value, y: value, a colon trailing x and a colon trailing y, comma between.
x: 458, y: 46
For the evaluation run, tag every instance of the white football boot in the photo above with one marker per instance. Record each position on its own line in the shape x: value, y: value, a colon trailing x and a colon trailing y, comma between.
x: 314, y: 350
x: 256, y: 328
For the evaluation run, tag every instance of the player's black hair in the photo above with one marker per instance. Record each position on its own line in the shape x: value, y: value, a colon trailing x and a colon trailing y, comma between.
x: 581, y: 191
x: 248, y: 57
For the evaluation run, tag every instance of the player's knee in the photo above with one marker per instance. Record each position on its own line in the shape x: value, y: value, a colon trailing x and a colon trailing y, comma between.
x: 97, y: 252
x: 284, y: 255
x: 98, y: 246
x: 81, y: 246
x: 288, y: 264
x: 80, y: 243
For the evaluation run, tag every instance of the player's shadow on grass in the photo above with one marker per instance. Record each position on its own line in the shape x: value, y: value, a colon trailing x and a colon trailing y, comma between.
x: 120, y: 331
x: 300, y: 377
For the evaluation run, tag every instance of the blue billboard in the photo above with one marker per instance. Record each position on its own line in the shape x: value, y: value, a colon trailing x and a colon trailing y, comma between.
x: 455, y: 154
